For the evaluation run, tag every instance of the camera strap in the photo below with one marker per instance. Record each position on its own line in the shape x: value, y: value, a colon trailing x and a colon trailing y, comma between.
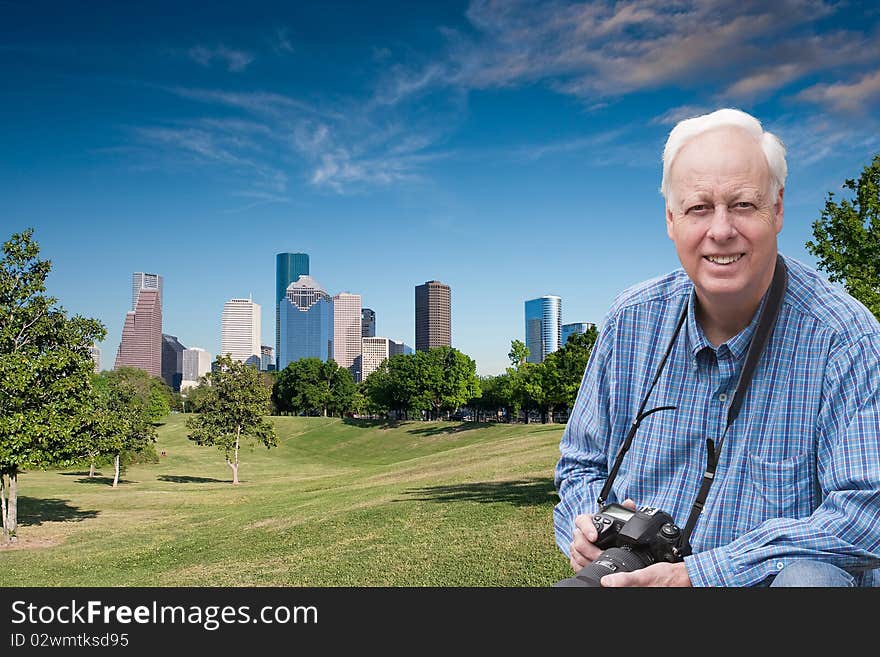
x: 766, y: 321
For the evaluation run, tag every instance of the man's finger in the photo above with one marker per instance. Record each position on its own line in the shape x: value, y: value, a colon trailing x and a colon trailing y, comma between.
x: 622, y: 579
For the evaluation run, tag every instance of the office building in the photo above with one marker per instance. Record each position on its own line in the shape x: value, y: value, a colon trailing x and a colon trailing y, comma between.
x: 398, y: 348
x: 570, y: 329
x: 143, y: 281
x: 375, y: 350
x: 288, y: 268
x: 141, y: 343
x: 267, y: 358
x: 172, y: 361
x: 95, y: 351
x: 240, y: 331
x: 543, y: 326
x: 196, y: 363
x: 368, y: 323
x: 306, y: 322
x: 433, y: 315
x: 347, y: 327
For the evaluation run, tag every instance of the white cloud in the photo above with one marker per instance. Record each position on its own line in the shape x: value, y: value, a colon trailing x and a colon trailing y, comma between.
x: 845, y: 96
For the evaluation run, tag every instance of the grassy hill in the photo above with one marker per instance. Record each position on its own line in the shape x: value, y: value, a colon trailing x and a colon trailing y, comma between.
x: 338, y: 503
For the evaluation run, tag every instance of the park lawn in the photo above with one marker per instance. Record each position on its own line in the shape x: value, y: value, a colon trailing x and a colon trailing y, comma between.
x: 337, y: 503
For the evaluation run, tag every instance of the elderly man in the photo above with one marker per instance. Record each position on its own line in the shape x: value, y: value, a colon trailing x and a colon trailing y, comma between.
x: 794, y: 495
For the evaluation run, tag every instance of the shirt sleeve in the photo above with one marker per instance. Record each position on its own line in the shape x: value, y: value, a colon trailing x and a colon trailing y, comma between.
x: 843, y: 528
x: 583, y: 466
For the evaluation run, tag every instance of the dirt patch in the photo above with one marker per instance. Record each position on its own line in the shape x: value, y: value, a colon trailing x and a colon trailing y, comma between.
x: 30, y: 543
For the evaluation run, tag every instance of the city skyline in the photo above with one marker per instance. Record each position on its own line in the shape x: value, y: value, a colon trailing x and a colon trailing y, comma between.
x: 509, y: 149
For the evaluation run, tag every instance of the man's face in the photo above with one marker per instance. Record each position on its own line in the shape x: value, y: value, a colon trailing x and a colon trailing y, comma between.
x: 721, y: 219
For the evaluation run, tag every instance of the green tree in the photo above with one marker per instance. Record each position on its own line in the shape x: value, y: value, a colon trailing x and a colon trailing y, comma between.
x: 491, y: 398
x: 130, y: 403
x: 521, y: 385
x: 570, y: 361
x: 518, y: 353
x: 305, y: 386
x: 847, y: 238
x: 194, y: 399
x: 233, y: 411
x: 393, y: 386
x: 44, y: 373
x: 343, y: 391
x: 446, y: 379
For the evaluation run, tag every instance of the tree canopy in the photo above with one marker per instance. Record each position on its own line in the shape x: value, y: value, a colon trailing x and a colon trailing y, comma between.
x: 234, y: 408
x: 847, y: 238
x: 45, y: 366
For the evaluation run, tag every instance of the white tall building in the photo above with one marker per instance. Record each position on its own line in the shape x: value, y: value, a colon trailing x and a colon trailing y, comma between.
x: 143, y: 281
x: 96, y: 357
x: 196, y: 363
x: 347, y: 332
x: 374, y: 351
x: 240, y: 333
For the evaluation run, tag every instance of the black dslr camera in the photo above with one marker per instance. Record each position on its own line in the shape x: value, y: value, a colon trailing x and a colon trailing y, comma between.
x: 631, y: 540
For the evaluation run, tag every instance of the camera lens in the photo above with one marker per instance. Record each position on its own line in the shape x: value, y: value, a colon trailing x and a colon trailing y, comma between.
x: 612, y: 560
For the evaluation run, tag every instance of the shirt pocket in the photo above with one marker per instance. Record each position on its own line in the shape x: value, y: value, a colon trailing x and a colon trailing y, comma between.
x: 779, y: 489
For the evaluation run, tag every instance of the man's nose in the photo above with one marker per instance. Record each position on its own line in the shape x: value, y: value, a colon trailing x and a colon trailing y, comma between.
x: 722, y: 227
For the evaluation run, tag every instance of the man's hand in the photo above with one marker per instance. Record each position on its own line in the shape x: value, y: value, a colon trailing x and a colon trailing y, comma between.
x: 582, y: 549
x: 659, y: 574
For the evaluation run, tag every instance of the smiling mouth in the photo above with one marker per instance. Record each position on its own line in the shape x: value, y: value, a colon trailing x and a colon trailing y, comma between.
x: 724, y: 259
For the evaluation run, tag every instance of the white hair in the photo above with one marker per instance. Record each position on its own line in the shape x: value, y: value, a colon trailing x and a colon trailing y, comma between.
x: 771, y: 145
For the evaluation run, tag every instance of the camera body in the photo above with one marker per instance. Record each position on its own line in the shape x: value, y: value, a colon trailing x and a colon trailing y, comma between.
x: 648, y: 531
x: 630, y: 540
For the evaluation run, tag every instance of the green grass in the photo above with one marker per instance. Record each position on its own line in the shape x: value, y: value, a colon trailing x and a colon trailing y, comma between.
x: 336, y: 504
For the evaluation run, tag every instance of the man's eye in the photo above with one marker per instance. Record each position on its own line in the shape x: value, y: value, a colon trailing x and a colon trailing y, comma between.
x: 743, y: 205
x: 698, y: 208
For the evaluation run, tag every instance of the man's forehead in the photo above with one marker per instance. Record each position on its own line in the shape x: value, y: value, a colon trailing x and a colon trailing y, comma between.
x: 723, y: 151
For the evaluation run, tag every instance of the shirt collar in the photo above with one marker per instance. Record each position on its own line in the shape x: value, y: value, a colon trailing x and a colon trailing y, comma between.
x: 737, y: 345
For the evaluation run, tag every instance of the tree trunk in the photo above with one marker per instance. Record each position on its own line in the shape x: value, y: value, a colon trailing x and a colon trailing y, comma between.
x: 9, y: 504
x: 550, y: 416
x: 234, y: 465
x: 12, y: 505
x: 3, y: 507
x: 116, y: 471
x: 92, y: 469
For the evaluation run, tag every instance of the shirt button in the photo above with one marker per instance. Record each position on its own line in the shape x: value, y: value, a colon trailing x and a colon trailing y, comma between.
x: 779, y: 565
x: 722, y: 397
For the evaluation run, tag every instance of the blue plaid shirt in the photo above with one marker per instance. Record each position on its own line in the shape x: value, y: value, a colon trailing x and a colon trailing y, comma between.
x: 799, y: 473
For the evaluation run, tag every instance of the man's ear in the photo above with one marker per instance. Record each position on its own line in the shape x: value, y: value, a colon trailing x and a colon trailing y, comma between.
x: 779, y: 209
x: 669, y: 222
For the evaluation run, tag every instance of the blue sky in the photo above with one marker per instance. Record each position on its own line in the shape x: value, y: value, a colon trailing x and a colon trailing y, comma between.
x: 508, y: 149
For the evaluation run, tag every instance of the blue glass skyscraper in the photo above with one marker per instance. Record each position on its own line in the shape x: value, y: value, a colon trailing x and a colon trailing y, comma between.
x: 288, y: 268
x: 306, y: 322
x: 543, y: 327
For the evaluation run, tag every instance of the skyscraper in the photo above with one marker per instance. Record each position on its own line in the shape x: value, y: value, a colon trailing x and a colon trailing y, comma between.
x: 172, y: 361
x: 141, y: 344
x: 368, y: 323
x: 143, y: 281
x: 240, y: 331
x: 347, y: 332
x: 196, y: 363
x: 306, y: 322
x: 288, y: 268
x: 543, y: 326
x: 433, y: 316
x: 570, y: 329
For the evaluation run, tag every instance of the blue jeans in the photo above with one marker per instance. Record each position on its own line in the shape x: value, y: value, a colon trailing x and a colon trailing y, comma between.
x: 818, y: 574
